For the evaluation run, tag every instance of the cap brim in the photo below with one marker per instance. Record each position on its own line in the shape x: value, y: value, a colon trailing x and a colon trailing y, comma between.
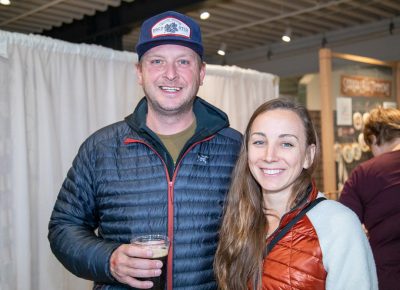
x: 144, y: 47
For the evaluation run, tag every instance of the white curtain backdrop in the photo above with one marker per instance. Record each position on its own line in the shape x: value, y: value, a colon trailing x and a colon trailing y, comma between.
x: 53, y: 94
x: 238, y: 91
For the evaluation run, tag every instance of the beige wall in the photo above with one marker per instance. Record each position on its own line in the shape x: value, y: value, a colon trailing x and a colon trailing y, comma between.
x: 312, y: 83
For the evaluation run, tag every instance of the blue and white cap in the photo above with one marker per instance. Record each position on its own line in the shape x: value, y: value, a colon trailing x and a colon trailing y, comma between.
x: 169, y: 28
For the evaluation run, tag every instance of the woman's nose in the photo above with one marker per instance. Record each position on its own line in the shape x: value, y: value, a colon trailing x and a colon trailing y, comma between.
x: 270, y: 154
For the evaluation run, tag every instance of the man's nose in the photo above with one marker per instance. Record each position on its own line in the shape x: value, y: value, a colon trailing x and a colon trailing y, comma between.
x: 170, y: 72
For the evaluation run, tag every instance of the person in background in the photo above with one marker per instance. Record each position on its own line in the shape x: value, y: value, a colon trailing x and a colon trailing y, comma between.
x: 278, y: 230
x: 165, y: 169
x: 373, y: 193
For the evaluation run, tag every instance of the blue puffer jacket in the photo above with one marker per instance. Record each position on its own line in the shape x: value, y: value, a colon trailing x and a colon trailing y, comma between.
x: 124, y: 183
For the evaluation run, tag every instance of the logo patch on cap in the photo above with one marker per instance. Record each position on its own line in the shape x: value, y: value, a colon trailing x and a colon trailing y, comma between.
x: 170, y: 26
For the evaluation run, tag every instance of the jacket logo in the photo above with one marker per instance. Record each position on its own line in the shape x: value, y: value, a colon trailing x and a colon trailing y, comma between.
x: 203, y: 158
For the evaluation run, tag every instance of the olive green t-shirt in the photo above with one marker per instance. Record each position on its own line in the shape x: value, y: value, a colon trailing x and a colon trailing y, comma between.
x: 174, y: 143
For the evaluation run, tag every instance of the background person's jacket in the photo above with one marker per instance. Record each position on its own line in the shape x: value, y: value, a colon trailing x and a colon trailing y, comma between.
x: 373, y: 193
x: 124, y: 183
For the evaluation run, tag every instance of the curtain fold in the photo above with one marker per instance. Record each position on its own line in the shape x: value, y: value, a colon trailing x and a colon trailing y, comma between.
x: 53, y: 95
x: 7, y: 276
x: 238, y: 91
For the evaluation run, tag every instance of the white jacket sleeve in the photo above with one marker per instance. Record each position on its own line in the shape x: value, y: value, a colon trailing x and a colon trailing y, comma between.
x: 346, y: 253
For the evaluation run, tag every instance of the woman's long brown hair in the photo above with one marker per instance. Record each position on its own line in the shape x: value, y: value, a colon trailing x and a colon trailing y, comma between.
x: 239, y: 256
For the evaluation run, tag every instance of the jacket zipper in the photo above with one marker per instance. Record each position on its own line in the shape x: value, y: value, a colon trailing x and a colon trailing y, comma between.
x: 170, y: 201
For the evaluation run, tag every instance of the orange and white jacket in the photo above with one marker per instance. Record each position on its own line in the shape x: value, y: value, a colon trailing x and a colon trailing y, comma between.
x: 325, y: 249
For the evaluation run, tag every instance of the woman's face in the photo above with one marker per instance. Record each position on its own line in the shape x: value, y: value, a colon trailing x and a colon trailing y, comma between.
x: 277, y: 150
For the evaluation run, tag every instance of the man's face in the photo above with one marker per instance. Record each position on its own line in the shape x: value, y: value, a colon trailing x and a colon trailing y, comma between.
x: 170, y: 76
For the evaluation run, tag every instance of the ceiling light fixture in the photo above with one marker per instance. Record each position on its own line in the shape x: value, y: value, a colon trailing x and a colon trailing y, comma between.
x: 324, y: 42
x: 5, y: 2
x: 222, y: 49
x: 204, y: 15
x: 269, y: 54
x: 286, y: 37
x: 391, y: 27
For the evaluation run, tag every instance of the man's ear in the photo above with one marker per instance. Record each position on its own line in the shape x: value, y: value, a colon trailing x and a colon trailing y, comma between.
x: 310, y: 154
x: 139, y: 73
x: 202, y: 72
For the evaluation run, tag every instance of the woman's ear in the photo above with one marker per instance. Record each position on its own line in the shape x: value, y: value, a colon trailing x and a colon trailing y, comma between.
x: 310, y: 154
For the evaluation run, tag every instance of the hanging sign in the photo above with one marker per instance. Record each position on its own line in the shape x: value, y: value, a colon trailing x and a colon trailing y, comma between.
x: 361, y: 86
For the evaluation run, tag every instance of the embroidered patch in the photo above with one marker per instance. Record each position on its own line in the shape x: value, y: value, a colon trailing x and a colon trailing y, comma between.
x: 203, y: 158
x: 170, y: 26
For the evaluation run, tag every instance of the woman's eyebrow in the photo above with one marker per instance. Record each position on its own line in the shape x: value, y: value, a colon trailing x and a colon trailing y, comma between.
x: 258, y: 133
x: 288, y: 135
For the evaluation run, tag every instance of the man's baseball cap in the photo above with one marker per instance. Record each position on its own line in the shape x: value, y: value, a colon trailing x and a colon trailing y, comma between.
x: 169, y: 28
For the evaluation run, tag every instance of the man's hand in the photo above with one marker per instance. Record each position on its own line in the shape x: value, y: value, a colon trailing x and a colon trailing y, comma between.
x: 129, y: 262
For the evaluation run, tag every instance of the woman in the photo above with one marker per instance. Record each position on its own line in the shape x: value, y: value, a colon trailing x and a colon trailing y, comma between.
x: 373, y: 193
x: 325, y: 249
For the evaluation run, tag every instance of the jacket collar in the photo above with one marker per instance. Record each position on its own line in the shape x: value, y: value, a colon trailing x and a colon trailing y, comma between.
x: 209, y: 121
x: 312, y: 195
x: 209, y: 118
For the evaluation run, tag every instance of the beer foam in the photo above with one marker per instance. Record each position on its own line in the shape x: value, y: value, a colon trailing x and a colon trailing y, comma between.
x: 159, y: 252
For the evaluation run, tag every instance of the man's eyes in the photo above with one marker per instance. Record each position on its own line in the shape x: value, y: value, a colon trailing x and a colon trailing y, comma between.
x: 184, y: 62
x: 156, y: 61
x: 180, y: 62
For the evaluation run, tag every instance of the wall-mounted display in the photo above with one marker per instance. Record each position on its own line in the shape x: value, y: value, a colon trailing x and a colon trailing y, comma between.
x: 358, y: 91
x: 364, y: 86
x: 357, y: 121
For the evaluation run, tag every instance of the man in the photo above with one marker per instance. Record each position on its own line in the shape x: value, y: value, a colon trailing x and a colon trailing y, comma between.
x: 165, y: 169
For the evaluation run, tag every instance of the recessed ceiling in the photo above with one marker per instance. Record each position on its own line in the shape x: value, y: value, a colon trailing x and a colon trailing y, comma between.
x: 241, y: 24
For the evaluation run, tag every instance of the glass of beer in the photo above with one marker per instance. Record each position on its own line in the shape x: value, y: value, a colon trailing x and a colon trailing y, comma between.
x: 159, y: 244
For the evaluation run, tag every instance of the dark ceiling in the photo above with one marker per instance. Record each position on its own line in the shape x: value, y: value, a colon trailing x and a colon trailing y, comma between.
x: 243, y: 25
x: 108, y: 27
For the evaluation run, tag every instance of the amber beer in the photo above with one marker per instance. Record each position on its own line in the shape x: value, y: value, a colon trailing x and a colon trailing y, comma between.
x: 159, y: 245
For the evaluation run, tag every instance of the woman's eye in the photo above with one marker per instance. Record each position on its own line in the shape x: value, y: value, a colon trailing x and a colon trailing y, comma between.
x: 258, y: 142
x: 287, y: 145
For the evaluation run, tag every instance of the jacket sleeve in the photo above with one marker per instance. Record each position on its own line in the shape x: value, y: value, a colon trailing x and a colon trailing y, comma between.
x: 347, y: 255
x: 74, y: 221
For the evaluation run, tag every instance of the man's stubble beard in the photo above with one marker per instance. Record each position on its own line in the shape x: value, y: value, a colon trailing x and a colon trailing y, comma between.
x: 157, y: 108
